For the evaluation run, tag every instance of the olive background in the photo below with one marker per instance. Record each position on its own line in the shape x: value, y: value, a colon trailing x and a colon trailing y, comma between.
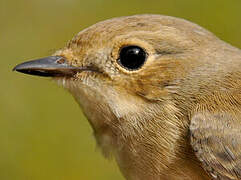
x: 43, y: 133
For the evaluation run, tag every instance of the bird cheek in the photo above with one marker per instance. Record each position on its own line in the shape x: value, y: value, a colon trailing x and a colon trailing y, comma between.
x: 153, y: 94
x: 152, y: 91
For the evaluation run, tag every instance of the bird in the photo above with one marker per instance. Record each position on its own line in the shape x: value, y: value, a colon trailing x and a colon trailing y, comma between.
x: 162, y: 95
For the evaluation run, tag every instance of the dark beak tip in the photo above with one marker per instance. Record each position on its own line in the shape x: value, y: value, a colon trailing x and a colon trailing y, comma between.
x: 19, y: 67
x: 15, y: 68
x: 49, y: 67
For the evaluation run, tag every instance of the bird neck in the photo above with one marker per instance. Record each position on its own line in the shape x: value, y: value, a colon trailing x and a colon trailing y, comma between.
x: 157, y: 148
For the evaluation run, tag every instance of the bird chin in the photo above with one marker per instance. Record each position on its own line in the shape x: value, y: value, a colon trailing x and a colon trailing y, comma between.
x: 90, y: 96
x: 95, y: 108
x: 63, y: 81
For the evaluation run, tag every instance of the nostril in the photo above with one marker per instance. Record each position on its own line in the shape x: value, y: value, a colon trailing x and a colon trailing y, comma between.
x: 61, y: 61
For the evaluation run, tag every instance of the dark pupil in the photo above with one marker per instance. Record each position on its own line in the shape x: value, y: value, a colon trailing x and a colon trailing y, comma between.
x: 132, y: 57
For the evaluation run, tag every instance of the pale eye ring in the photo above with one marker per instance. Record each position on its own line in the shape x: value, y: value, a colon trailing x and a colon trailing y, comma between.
x: 132, y: 57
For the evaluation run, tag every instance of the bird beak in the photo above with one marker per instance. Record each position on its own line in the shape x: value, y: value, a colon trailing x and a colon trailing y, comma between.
x: 52, y: 66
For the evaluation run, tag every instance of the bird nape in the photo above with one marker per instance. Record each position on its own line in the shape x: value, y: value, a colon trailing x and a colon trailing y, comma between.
x: 162, y: 94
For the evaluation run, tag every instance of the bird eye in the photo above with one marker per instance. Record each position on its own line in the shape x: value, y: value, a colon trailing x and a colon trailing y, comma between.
x: 132, y: 57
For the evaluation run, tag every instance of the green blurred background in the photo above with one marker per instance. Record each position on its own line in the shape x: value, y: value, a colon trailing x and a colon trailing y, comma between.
x: 43, y: 133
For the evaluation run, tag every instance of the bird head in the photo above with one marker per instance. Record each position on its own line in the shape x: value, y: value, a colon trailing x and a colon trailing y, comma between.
x: 131, y: 76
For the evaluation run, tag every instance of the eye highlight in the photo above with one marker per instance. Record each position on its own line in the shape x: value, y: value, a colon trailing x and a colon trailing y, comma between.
x: 132, y: 57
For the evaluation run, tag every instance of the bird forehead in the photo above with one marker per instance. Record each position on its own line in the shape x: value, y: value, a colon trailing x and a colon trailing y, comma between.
x: 104, y: 33
x: 154, y: 33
